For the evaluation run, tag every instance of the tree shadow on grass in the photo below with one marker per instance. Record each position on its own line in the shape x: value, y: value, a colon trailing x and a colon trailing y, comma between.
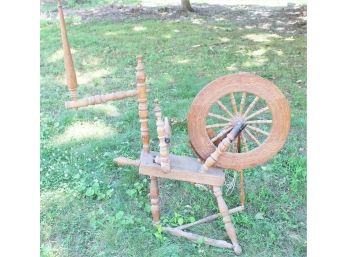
x: 289, y: 19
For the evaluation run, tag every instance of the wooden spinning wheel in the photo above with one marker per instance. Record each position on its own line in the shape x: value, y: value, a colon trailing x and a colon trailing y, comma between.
x: 229, y: 99
x: 235, y: 122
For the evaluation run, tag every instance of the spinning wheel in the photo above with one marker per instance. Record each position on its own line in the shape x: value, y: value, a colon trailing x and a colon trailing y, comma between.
x: 235, y: 122
x: 226, y: 100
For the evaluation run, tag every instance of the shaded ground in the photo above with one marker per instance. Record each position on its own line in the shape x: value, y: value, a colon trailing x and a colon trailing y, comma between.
x: 289, y: 19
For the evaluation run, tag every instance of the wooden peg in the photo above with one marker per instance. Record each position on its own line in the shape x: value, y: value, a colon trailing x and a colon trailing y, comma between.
x: 164, y: 151
x: 123, y: 161
x: 223, y: 146
x: 142, y: 100
x: 68, y: 61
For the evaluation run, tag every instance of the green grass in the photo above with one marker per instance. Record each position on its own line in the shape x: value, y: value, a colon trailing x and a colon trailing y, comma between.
x: 91, y: 207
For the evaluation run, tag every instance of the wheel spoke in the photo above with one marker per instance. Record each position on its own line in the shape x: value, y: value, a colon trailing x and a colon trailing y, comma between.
x: 257, y: 113
x: 259, y: 122
x: 234, y: 103
x: 251, y: 106
x: 217, y: 116
x: 242, y: 102
x: 260, y: 131
x: 217, y: 125
x: 223, y: 107
x: 252, y: 137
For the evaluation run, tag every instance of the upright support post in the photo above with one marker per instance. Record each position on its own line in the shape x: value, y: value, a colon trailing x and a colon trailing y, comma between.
x: 227, y: 220
x: 68, y: 61
x: 142, y: 99
x: 144, y: 130
x: 155, y: 210
x: 241, y: 174
x: 164, y: 152
x: 241, y: 186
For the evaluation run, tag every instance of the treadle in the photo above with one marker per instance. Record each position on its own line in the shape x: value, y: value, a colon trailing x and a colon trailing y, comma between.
x: 182, y: 168
x: 196, y: 238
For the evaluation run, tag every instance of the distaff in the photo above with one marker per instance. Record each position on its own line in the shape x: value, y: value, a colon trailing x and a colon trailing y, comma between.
x: 68, y: 61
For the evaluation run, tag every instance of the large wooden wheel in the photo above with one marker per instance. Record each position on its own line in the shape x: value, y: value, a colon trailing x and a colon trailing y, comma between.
x: 224, y: 101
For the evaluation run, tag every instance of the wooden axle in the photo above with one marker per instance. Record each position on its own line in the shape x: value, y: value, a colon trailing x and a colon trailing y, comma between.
x: 99, y: 99
x: 223, y: 146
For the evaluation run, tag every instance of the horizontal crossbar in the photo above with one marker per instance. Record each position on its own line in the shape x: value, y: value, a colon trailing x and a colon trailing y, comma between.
x: 99, y: 99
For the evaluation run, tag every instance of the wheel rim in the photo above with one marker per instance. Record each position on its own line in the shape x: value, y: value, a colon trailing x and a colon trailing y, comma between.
x: 262, y: 104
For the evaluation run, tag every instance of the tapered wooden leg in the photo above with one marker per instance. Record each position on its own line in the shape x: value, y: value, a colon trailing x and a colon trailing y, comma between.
x: 227, y: 220
x: 154, y: 200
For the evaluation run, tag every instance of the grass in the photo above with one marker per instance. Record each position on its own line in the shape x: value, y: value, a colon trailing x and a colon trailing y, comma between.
x: 91, y: 207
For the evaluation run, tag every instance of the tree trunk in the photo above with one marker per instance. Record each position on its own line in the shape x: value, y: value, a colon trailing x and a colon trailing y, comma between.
x: 186, y: 6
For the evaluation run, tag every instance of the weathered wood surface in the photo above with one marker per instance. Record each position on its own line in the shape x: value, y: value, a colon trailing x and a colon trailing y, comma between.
x: 182, y: 168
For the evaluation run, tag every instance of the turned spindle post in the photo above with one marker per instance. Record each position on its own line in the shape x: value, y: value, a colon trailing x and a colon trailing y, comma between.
x: 164, y: 151
x: 155, y: 209
x: 227, y: 220
x: 142, y: 99
x: 223, y: 146
x: 68, y: 61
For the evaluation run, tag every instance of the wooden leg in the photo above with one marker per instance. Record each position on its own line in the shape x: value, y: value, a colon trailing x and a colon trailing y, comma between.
x: 242, y: 194
x: 154, y: 200
x: 227, y: 220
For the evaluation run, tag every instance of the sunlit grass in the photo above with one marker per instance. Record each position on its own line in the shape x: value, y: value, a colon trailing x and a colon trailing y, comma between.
x: 83, y: 130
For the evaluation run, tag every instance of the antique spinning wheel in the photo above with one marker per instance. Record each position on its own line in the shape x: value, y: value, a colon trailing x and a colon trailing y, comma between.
x: 228, y: 99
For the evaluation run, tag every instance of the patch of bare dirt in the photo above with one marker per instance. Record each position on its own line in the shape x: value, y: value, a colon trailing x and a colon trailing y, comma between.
x: 290, y: 19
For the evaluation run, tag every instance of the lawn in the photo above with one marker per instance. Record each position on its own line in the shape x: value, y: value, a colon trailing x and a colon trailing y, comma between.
x: 92, y: 207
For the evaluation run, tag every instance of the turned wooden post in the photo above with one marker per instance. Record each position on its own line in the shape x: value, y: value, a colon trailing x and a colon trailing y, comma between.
x: 154, y: 195
x: 164, y: 152
x: 68, y: 61
x: 227, y: 220
x: 142, y: 99
x: 223, y: 146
